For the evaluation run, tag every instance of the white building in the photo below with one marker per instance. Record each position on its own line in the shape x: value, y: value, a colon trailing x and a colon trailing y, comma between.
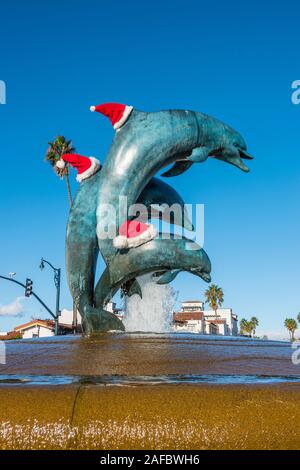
x: 226, y: 320
x: 66, y: 317
x: 193, y: 318
x: 44, y: 328
x: 36, y: 329
x: 192, y: 306
x: 192, y: 322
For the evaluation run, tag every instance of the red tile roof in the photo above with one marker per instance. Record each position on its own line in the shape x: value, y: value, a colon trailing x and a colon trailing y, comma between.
x: 45, y: 323
x: 185, y: 316
x: 216, y: 321
x: 10, y: 335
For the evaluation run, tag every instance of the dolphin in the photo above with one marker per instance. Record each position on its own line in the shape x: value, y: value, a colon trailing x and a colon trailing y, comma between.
x: 145, y: 144
x: 82, y: 245
x: 148, y: 142
x: 155, y: 255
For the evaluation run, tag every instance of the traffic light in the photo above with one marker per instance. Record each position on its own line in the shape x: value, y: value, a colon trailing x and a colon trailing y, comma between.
x: 28, y: 288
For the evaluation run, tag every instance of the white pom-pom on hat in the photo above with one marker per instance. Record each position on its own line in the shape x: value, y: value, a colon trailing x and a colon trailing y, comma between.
x: 60, y: 164
x: 92, y: 108
x: 120, y: 242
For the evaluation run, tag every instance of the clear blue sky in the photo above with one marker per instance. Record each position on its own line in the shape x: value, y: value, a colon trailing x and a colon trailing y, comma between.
x: 233, y: 60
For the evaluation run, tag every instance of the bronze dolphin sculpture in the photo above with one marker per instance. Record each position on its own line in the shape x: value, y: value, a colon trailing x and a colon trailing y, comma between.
x: 145, y: 144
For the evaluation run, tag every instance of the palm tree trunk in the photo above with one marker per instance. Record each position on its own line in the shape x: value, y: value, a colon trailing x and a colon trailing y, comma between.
x: 69, y: 190
x: 71, y: 204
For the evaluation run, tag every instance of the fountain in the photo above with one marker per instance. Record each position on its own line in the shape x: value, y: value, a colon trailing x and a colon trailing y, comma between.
x: 153, y: 313
x: 107, y: 200
x: 112, y: 390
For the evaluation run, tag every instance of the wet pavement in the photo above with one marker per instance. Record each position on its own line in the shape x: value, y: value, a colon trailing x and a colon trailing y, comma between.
x: 149, y: 391
x: 153, y: 355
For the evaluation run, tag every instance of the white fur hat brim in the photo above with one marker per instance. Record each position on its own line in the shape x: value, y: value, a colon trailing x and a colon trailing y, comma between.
x: 126, y: 114
x: 95, y: 165
x: 122, y: 242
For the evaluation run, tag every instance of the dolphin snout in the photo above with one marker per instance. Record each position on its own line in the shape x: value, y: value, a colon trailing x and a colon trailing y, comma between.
x: 233, y: 155
x: 205, y: 276
x: 245, y: 155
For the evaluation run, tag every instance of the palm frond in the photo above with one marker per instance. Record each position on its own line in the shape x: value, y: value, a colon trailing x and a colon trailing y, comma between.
x: 56, y: 149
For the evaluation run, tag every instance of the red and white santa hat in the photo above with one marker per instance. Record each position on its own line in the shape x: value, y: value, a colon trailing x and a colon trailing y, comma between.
x: 134, y: 233
x: 116, y: 113
x: 85, y: 166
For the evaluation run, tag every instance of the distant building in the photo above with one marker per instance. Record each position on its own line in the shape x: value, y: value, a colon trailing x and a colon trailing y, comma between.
x: 41, y: 329
x: 66, y: 317
x: 189, y: 320
x: 225, y: 319
x: 192, y: 306
x: 193, y: 318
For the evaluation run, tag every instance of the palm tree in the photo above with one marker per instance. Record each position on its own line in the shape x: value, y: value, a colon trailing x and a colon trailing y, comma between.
x: 254, y: 324
x: 243, y: 326
x: 214, y: 297
x: 55, y: 151
x: 298, y: 318
x: 291, y: 326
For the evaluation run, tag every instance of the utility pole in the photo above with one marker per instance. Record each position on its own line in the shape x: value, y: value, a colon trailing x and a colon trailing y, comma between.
x: 57, y: 277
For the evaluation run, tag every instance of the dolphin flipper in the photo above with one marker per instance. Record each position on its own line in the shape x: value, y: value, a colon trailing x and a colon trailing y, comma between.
x: 199, y: 154
x: 168, y: 276
x: 177, y: 169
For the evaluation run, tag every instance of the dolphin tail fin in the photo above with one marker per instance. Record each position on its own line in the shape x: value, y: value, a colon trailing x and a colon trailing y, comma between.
x: 97, y: 320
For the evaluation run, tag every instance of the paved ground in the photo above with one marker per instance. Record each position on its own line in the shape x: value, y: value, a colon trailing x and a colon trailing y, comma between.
x: 148, y: 355
x: 80, y: 406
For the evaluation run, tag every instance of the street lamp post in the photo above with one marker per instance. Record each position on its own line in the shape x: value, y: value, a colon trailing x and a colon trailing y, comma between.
x: 57, y: 276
